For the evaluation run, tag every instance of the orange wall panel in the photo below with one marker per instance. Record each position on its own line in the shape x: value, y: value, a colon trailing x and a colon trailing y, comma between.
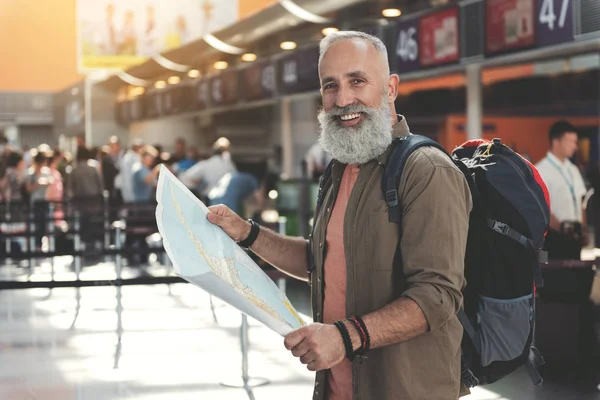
x: 526, y: 135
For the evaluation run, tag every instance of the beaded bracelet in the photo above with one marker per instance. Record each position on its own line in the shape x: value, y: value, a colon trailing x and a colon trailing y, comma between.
x: 346, y: 338
x: 365, y: 338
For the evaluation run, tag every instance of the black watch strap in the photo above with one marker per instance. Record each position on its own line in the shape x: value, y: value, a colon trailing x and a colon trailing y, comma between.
x: 254, y: 230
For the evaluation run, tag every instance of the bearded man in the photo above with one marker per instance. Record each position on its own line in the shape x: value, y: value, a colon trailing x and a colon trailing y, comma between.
x: 387, y: 293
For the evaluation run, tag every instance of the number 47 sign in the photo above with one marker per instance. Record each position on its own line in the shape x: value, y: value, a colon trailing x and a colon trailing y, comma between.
x: 555, y: 21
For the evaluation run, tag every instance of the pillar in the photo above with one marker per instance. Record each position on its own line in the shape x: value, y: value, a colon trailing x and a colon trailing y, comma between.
x: 474, y: 102
x: 287, y: 140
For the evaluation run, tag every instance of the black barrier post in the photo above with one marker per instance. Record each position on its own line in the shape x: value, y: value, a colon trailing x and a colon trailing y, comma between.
x: 118, y: 226
x: 31, y: 236
x: 246, y: 381
x: 51, y: 238
x: 7, y: 218
x: 106, y: 198
x: 77, y: 244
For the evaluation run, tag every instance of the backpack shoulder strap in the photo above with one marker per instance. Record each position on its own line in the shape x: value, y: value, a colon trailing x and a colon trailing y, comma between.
x: 323, y: 183
x: 403, y: 148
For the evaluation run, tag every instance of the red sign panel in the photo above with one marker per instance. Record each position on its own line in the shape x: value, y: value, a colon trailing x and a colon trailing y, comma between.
x: 509, y: 25
x: 438, y: 38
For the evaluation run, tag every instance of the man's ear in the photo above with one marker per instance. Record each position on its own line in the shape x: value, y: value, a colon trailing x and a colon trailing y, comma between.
x: 393, y: 82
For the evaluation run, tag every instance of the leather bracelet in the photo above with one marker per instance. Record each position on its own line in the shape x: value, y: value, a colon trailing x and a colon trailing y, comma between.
x: 254, y: 230
x: 346, y: 338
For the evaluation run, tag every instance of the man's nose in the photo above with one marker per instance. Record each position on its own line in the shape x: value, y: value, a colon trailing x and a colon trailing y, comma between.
x: 345, y: 97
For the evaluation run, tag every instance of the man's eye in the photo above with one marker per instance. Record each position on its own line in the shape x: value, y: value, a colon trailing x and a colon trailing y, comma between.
x: 357, y: 81
x: 329, y: 86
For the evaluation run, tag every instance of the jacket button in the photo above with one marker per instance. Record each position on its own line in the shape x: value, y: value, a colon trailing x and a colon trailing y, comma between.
x: 317, y: 383
x: 321, y: 244
x: 328, y: 209
x: 316, y: 392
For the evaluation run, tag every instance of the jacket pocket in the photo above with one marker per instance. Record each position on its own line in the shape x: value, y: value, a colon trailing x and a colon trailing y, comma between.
x: 381, y: 241
x: 505, y: 327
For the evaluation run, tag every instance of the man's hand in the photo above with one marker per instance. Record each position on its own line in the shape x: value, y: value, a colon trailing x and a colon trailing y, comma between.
x: 318, y: 346
x: 231, y: 223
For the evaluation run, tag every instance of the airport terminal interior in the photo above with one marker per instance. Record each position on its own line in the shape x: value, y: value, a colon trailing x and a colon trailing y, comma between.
x: 120, y: 121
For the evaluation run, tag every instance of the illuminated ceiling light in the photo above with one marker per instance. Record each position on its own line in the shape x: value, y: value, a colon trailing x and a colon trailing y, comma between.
x: 288, y: 45
x: 329, y: 30
x: 137, y: 91
x: 273, y: 194
x: 194, y: 73
x: 391, y: 13
x: 301, y: 13
x: 132, y: 80
x: 174, y: 80
x: 220, y: 65
x: 249, y: 57
x: 168, y: 64
x: 218, y: 44
x: 160, y: 84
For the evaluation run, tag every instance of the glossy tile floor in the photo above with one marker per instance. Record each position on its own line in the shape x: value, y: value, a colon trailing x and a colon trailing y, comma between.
x: 155, y: 342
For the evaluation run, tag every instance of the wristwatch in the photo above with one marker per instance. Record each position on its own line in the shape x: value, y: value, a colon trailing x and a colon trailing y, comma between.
x: 254, y: 230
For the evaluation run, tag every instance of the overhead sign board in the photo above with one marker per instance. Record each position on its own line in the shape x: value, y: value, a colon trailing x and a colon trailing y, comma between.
x: 509, y: 25
x: 438, y: 38
x: 299, y: 72
x: 554, y: 22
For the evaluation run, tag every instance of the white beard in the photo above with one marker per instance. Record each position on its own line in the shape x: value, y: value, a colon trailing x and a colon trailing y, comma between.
x: 356, y: 144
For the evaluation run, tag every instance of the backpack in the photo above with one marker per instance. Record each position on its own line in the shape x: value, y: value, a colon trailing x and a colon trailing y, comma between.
x: 507, y: 228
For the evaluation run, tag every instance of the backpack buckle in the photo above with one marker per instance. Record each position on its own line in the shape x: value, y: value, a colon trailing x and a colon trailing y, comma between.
x: 391, y: 197
x: 501, y: 227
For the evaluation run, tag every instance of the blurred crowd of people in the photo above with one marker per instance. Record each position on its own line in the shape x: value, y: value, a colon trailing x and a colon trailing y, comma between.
x: 128, y: 175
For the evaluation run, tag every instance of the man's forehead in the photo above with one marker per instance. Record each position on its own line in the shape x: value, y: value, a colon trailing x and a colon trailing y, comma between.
x: 349, y: 55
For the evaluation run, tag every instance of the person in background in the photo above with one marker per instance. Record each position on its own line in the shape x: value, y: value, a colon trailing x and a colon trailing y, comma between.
x: 179, y: 152
x: 38, y: 179
x: 55, y: 188
x: 12, y: 181
x: 36, y: 186
x: 124, y: 181
x: 568, y: 229
x: 316, y: 161
x: 240, y: 191
x: 188, y: 162
x: 205, y: 174
x: 145, y: 174
x: 85, y: 180
x: 108, y: 169
x: 10, y: 190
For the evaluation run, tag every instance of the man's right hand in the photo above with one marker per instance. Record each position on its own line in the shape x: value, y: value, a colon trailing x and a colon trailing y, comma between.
x: 232, y: 224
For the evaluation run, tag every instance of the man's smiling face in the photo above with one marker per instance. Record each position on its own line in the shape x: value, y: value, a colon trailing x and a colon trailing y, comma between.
x: 358, y: 95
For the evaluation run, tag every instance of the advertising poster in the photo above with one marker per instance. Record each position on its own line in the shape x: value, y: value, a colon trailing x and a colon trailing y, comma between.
x: 438, y: 38
x: 509, y: 25
x: 116, y: 35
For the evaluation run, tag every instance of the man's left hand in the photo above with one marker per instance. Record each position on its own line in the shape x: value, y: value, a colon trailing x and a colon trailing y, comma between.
x: 317, y: 345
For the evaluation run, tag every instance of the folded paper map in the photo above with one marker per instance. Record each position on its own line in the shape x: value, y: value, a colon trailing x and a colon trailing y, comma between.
x: 204, y: 255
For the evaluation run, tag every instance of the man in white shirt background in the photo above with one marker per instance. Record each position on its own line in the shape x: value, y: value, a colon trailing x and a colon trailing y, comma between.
x: 205, y: 174
x: 568, y: 228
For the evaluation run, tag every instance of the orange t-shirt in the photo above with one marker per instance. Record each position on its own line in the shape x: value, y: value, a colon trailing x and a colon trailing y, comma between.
x: 334, y: 307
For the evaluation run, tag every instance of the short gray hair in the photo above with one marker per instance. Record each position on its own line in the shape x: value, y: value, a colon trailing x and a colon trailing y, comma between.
x: 330, y: 39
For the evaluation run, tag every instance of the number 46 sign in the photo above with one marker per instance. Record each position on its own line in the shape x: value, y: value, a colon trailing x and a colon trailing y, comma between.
x: 554, y: 21
x: 407, y: 48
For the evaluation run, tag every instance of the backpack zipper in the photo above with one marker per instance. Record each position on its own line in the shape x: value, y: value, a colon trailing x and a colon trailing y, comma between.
x: 511, y: 162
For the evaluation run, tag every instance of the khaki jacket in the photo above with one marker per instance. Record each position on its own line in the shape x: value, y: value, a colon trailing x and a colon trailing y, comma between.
x: 436, y: 204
